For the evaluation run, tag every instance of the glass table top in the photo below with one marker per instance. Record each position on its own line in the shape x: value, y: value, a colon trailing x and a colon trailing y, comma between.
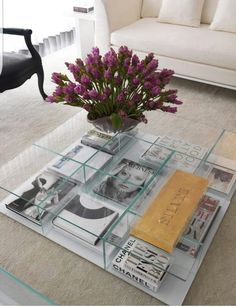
x: 166, y: 143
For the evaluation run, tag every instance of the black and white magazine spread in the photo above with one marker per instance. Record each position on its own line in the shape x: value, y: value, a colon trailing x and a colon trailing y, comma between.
x: 124, y: 181
x: 187, y: 156
x: 86, y: 218
x: 197, y: 229
x: 40, y: 196
x: 68, y: 166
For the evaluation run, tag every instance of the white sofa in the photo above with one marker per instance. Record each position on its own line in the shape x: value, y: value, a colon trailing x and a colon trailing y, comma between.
x: 193, y: 53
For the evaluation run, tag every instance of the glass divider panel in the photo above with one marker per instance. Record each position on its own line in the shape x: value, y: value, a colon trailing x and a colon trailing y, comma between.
x: 14, y: 291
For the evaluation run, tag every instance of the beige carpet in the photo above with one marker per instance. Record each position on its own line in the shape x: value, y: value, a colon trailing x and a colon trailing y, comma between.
x: 65, y: 277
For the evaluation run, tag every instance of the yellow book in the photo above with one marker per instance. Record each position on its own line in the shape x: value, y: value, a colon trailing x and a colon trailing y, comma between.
x: 165, y: 220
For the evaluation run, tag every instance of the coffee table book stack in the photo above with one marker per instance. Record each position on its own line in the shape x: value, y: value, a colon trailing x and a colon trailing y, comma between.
x: 144, y: 207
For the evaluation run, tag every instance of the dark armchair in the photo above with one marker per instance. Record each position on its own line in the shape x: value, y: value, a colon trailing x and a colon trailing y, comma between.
x: 17, y: 68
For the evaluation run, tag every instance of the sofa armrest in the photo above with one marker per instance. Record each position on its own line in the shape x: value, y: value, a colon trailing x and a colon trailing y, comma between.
x: 111, y: 15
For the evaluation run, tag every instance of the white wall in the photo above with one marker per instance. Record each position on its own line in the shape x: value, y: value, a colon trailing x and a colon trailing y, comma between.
x: 44, y: 17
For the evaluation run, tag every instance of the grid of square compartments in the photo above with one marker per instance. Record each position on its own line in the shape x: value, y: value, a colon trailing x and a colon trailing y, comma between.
x: 72, y: 180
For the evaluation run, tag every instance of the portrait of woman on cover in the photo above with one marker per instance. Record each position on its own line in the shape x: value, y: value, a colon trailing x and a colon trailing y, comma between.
x: 125, y: 182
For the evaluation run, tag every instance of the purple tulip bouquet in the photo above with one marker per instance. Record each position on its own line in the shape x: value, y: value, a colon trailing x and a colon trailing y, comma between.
x: 117, y: 85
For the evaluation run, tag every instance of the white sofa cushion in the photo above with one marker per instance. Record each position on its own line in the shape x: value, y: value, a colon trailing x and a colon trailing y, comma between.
x: 208, y: 11
x: 199, y: 45
x: 225, y: 16
x: 181, y: 12
x: 151, y: 8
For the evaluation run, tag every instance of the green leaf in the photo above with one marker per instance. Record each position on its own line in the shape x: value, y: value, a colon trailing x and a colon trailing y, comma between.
x: 116, y: 121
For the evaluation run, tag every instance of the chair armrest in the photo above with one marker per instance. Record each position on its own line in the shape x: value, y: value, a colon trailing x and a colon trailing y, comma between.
x: 27, y: 36
x: 16, y: 31
x: 111, y: 15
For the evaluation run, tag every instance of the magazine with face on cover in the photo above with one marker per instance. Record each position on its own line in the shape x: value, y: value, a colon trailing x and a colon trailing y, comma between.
x: 68, y: 166
x: 125, y: 181
x: 86, y: 218
x: 40, y: 195
x: 199, y: 225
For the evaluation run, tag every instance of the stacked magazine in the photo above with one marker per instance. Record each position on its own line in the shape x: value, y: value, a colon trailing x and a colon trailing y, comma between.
x: 197, y: 229
x: 110, y: 143
x: 44, y: 193
x: 71, y: 163
x: 185, y: 156
x: 86, y: 218
x: 143, y: 263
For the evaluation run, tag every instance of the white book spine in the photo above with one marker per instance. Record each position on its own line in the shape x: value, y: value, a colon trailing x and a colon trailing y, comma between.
x: 134, y: 276
x: 144, y: 269
x: 141, y: 264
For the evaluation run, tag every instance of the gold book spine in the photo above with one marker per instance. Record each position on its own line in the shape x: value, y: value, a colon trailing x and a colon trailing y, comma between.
x: 166, y: 218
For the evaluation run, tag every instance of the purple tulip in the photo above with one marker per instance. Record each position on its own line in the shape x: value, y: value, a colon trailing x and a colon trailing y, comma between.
x: 149, y: 58
x: 58, y: 91
x: 87, y: 107
x: 135, y: 60
x: 136, y: 81
x: 169, y: 109
x: 118, y: 80
x: 50, y: 99
x: 121, y: 97
x: 86, y: 95
x: 147, y: 85
x: 107, y: 91
x: 136, y: 97
x: 69, y: 89
x: 70, y: 98
x: 140, y: 67
x: 85, y: 80
x: 103, y: 97
x: 79, y: 63
x: 95, y: 51
x: 95, y: 73
x: 108, y: 74
x: 155, y: 91
x: 57, y: 78
x: 177, y: 101
x: 131, y: 71
x: 93, y: 94
x: 80, y: 89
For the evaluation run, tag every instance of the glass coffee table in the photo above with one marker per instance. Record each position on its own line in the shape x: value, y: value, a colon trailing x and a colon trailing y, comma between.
x: 87, y: 196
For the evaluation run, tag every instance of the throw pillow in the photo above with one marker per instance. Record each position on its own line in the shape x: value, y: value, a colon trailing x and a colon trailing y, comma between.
x: 225, y: 16
x: 181, y: 12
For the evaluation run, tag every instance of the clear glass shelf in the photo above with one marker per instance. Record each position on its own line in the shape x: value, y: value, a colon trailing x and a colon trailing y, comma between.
x: 59, y: 185
x: 14, y: 291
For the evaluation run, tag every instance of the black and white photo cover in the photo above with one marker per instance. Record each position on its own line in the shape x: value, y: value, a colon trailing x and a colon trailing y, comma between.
x: 86, y: 218
x: 39, y: 196
x: 124, y: 181
x: 221, y: 179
